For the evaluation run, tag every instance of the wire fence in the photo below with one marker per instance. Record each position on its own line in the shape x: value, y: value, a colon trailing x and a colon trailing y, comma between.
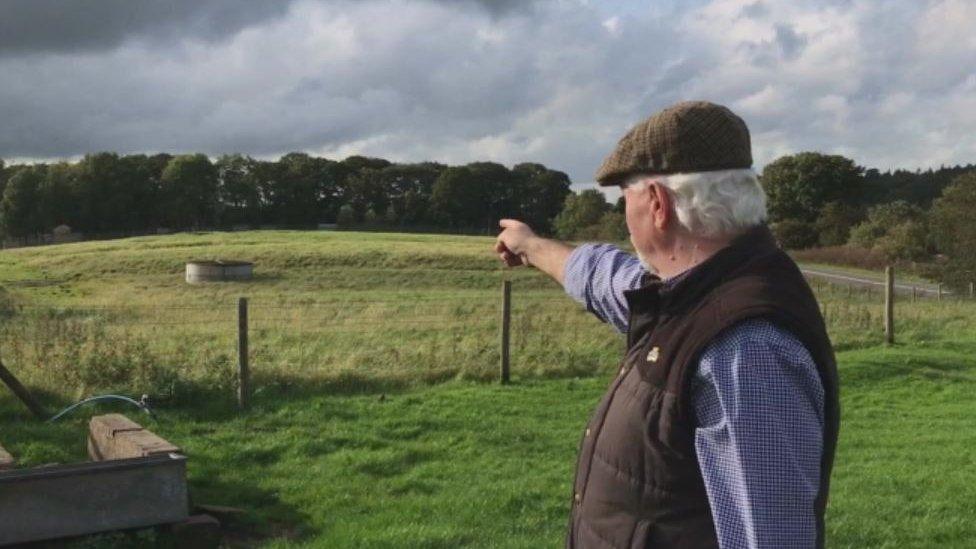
x: 362, y: 340
x: 349, y: 341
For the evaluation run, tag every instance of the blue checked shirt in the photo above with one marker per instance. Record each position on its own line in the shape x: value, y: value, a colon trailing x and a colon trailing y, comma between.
x: 759, y: 406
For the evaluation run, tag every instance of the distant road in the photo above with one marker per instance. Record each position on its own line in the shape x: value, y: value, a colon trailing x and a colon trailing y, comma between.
x: 840, y: 277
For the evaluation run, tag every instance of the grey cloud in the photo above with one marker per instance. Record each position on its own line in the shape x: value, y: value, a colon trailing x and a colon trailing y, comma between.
x: 499, y: 7
x: 466, y: 80
x: 46, y: 26
x: 417, y: 74
x: 755, y: 10
x: 786, y: 45
x: 790, y: 43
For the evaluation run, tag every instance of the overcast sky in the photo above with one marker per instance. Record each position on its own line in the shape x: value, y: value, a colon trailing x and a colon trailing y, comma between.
x: 890, y: 83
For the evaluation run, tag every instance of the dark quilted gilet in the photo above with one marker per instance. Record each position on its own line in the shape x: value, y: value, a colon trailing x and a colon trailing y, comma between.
x: 638, y: 482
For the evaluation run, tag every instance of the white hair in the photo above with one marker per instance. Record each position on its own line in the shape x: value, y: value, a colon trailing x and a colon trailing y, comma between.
x: 721, y: 203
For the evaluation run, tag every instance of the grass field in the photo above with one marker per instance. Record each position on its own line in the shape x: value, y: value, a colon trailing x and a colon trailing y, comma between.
x: 350, y: 310
x: 373, y: 424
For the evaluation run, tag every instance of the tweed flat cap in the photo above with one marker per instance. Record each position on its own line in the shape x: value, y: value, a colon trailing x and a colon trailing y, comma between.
x: 691, y: 136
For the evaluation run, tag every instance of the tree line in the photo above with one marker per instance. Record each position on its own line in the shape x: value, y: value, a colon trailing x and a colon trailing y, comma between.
x: 814, y: 200
x: 111, y: 193
x: 917, y: 219
x: 920, y: 218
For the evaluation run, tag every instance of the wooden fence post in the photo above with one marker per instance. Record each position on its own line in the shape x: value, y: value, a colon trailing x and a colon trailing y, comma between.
x: 889, y: 320
x: 21, y: 392
x: 243, y: 369
x: 972, y: 290
x: 914, y: 294
x: 506, y: 327
x: 940, y: 291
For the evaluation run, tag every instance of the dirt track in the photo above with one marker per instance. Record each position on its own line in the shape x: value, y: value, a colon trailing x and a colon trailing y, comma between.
x: 839, y: 277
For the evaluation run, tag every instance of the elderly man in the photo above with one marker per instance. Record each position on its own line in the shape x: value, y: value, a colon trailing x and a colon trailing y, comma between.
x: 720, y: 429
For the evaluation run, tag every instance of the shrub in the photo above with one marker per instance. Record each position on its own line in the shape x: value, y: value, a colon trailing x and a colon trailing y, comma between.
x: 905, y: 241
x: 843, y: 255
x: 835, y: 223
x: 611, y: 227
x: 346, y: 217
x: 954, y: 231
x: 580, y: 212
x: 897, y: 229
x: 794, y: 235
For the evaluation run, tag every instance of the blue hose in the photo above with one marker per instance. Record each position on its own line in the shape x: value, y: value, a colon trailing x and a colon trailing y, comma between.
x: 142, y: 404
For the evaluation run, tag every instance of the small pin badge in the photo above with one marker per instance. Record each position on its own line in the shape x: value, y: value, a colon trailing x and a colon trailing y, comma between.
x: 653, y: 354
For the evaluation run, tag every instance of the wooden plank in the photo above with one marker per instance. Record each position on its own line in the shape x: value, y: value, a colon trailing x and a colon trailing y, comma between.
x: 6, y: 460
x: 142, y: 444
x: 109, y: 425
x: 73, y: 500
x: 93, y: 452
x: 114, y: 436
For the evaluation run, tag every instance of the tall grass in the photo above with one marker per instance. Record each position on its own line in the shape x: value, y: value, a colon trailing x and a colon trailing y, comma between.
x: 349, y: 311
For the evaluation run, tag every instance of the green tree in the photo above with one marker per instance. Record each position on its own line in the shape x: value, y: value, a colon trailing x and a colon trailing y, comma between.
x: 620, y: 206
x: 612, y: 226
x: 897, y: 229
x: 20, y: 208
x: 540, y: 195
x: 954, y: 231
x: 105, y: 198
x: 580, y: 211
x: 356, y: 163
x: 264, y: 177
x: 346, y: 217
x: 458, y: 201
x: 349, y: 168
x: 408, y: 188
x: 300, y: 189
x: 237, y: 191
x: 835, y: 222
x: 366, y: 191
x: 140, y: 177
x: 56, y: 194
x: 908, y: 240
x: 793, y: 234
x: 497, y: 188
x: 798, y: 186
x: 189, y: 186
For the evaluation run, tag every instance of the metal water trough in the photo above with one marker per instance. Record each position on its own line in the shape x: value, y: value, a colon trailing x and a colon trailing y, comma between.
x: 71, y: 500
x: 218, y: 270
x: 137, y: 480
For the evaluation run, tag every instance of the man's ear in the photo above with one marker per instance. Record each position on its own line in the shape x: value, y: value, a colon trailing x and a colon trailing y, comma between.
x: 662, y: 206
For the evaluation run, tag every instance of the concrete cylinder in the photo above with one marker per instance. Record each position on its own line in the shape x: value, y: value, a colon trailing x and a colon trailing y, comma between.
x: 218, y: 270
